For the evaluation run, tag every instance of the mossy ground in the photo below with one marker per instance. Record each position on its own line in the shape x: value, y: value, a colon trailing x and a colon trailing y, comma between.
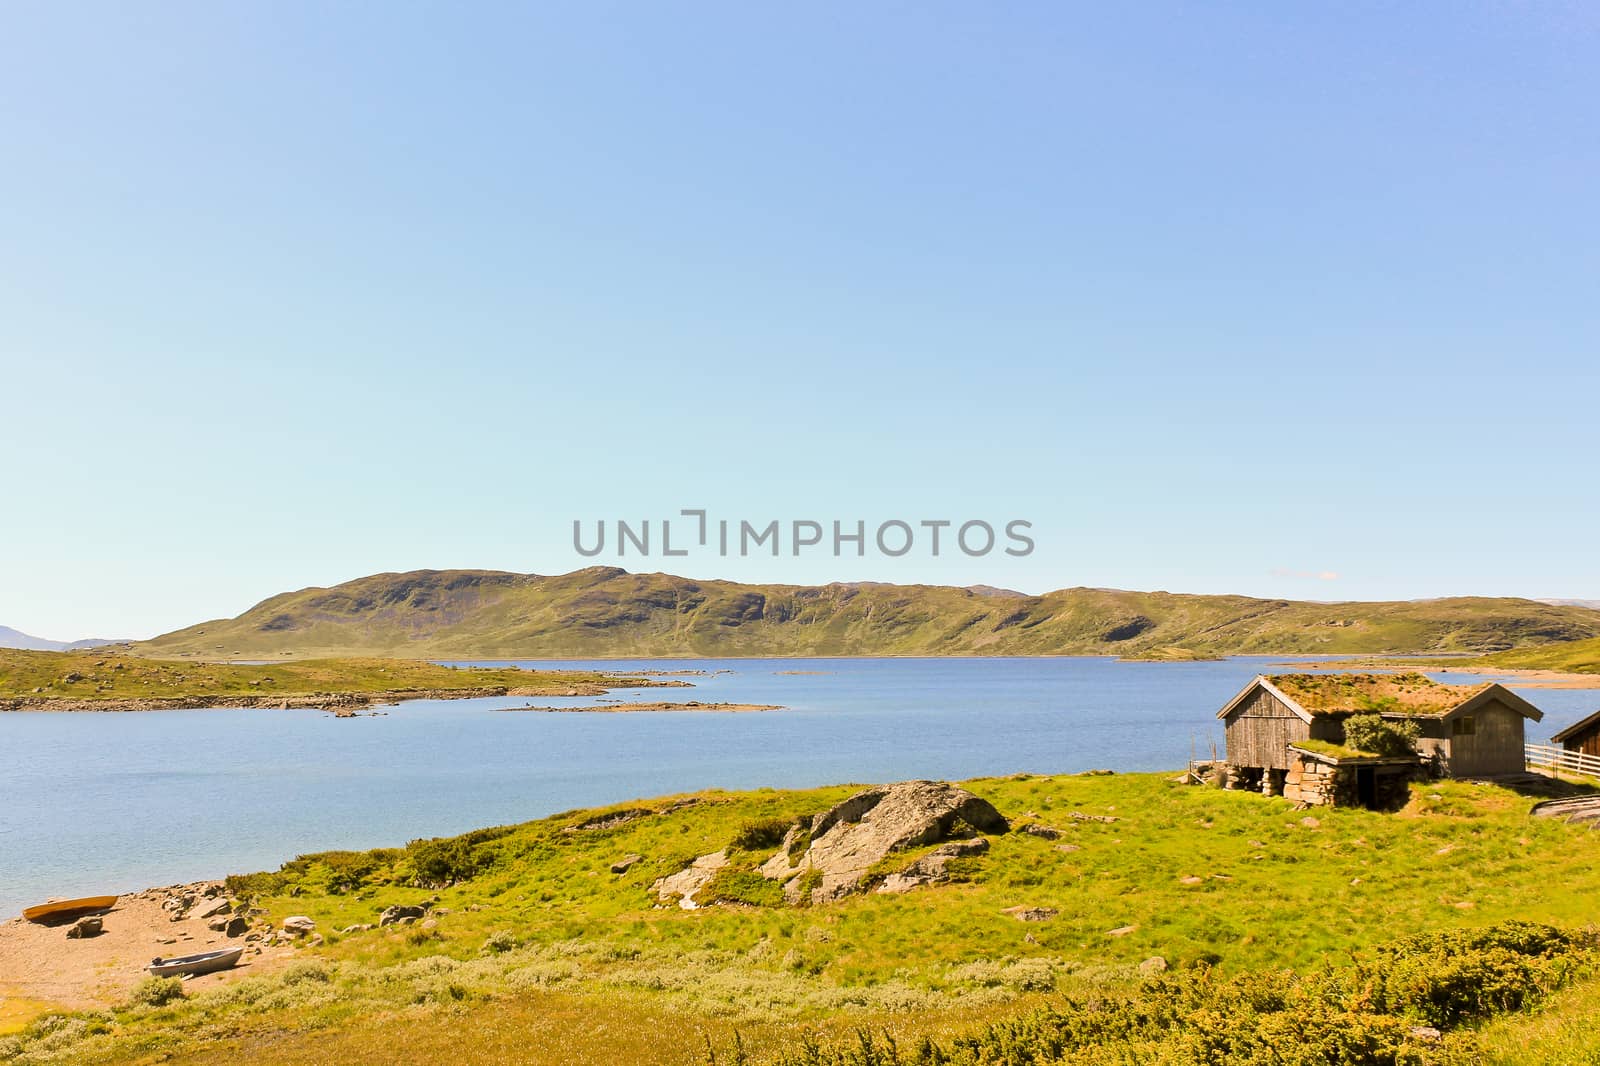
x: 545, y: 956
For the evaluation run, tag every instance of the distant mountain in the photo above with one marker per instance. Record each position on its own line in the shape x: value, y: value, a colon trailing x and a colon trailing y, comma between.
x: 1593, y: 605
x: 606, y: 612
x: 15, y: 638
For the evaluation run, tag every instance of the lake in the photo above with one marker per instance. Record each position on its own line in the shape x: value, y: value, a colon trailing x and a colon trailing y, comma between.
x: 116, y: 802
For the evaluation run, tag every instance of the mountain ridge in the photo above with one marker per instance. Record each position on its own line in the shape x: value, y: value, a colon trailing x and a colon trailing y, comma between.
x: 17, y: 639
x: 608, y: 612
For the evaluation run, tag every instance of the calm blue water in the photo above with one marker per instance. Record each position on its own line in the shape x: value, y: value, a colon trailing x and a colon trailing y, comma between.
x: 116, y: 802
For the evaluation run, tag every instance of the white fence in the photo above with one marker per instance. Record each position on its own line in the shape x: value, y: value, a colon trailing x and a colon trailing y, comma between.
x: 1546, y: 758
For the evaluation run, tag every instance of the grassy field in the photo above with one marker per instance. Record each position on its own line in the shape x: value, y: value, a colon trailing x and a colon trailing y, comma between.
x: 101, y: 674
x: 1577, y: 657
x: 541, y: 955
x: 606, y: 612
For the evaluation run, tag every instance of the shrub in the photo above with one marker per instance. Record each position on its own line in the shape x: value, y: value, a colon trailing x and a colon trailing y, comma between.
x: 761, y: 834
x: 498, y: 943
x: 729, y: 885
x: 446, y: 860
x: 156, y: 991
x: 307, y: 972
x: 1374, y: 733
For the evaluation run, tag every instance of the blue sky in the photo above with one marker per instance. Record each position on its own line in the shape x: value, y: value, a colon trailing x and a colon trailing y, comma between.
x: 1219, y: 297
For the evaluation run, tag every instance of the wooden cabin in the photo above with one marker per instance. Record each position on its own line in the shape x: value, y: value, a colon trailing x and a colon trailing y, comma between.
x: 1285, y: 734
x: 1582, y: 738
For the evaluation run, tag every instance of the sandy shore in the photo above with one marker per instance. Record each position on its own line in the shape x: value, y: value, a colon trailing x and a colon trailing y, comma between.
x: 623, y: 708
x: 41, y: 968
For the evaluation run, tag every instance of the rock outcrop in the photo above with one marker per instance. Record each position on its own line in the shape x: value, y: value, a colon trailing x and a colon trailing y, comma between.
x: 933, y: 867
x: 682, y: 885
x: 856, y: 834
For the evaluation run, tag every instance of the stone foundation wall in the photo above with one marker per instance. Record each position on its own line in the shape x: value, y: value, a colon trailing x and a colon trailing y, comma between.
x: 1318, y: 784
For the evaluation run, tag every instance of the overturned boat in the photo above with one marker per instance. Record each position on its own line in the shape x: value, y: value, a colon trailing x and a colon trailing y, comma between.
x: 59, y: 910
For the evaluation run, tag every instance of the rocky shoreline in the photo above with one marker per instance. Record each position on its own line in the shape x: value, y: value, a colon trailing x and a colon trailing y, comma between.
x: 625, y: 708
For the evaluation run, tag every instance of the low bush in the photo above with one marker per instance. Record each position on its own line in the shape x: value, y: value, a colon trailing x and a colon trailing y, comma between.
x: 1380, y: 736
x: 761, y: 834
x: 1370, y: 1014
x: 156, y: 992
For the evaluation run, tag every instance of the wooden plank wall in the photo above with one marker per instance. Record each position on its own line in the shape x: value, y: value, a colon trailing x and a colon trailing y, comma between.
x: 1260, y: 730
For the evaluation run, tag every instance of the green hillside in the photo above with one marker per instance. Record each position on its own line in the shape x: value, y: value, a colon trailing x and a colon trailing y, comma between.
x: 607, y: 612
x: 1579, y: 657
x: 1138, y: 921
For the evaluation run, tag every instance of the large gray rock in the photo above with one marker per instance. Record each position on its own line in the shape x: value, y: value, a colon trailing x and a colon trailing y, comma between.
x: 849, y: 839
x: 682, y: 885
x: 84, y: 928
x: 399, y: 913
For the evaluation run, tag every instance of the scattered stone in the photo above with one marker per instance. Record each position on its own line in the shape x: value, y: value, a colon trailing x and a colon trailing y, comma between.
x: 1043, y: 832
x: 298, y: 925
x: 1031, y: 914
x: 1098, y: 773
x: 360, y: 928
x: 1191, y: 879
x: 397, y: 913
x: 1310, y: 822
x: 211, y: 910
x: 1426, y: 1033
x: 428, y: 923
x: 1464, y: 905
x: 1121, y: 930
x: 1079, y: 816
x: 1068, y: 847
x: 1257, y: 844
x: 610, y: 820
x: 622, y: 865
x: 84, y: 928
x: 1153, y: 965
x: 1447, y: 849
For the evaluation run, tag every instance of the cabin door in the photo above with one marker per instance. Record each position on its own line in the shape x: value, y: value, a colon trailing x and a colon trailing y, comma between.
x: 1366, y: 786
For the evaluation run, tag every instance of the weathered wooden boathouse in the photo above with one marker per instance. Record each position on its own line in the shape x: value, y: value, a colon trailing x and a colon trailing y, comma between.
x: 1285, y: 735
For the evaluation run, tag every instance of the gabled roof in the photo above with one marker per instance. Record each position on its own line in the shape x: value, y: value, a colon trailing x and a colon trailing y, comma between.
x: 1409, y: 695
x: 1263, y: 682
x: 1575, y: 729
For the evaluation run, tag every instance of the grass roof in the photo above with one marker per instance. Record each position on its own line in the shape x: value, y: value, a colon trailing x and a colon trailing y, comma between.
x: 1373, y: 693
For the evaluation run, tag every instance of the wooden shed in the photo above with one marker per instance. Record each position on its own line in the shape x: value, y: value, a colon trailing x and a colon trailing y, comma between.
x: 1583, y: 738
x: 1466, y: 730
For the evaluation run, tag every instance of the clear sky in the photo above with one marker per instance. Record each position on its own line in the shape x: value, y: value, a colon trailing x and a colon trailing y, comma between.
x: 1282, y: 299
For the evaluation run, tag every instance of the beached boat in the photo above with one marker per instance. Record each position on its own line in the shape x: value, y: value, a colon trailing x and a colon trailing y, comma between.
x: 194, y: 965
x: 61, y: 909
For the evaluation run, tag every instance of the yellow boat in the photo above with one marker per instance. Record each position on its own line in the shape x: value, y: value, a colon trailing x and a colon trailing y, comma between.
x: 64, y: 908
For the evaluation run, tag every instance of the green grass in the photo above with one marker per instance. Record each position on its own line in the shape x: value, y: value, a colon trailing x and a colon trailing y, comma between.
x: 1578, y: 657
x: 104, y: 675
x: 604, y: 611
x: 569, y: 936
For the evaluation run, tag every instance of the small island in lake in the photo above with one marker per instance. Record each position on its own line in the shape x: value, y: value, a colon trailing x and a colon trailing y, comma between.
x: 624, y: 708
